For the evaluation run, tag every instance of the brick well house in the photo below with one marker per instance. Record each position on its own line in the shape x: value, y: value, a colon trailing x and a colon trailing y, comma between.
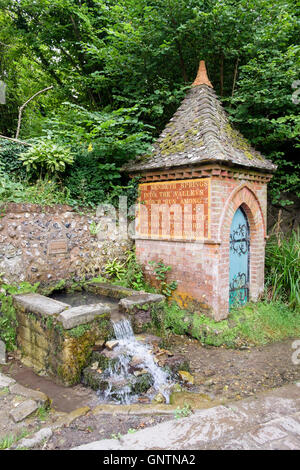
x: 202, y: 205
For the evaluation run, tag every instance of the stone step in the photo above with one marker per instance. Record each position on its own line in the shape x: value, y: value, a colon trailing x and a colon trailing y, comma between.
x: 41, y: 398
x: 23, y: 410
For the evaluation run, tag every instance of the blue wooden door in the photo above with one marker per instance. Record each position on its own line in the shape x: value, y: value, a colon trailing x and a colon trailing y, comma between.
x: 239, y: 260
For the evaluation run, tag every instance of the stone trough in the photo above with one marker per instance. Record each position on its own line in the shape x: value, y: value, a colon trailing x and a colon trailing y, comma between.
x: 57, y: 339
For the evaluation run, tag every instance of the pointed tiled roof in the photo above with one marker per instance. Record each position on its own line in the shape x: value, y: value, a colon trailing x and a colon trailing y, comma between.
x: 200, y: 132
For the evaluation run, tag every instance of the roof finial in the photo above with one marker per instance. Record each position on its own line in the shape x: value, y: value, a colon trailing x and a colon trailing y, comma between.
x: 202, y: 78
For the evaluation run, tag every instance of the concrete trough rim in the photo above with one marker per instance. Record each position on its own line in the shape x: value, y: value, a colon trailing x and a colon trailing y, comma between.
x: 33, y: 302
x: 82, y: 314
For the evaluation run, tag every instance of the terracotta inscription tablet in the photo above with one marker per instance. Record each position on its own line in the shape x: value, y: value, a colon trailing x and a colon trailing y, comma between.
x: 174, y: 210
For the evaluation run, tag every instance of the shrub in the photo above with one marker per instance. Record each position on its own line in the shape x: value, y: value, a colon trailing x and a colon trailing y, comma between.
x: 42, y: 192
x: 9, y: 157
x: 90, y: 181
x: 46, y: 158
x: 283, y: 267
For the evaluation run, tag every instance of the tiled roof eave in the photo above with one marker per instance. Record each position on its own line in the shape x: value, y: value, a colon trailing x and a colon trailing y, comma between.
x: 218, y: 161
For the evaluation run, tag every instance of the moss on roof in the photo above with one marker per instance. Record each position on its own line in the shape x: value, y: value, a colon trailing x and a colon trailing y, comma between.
x: 200, y: 131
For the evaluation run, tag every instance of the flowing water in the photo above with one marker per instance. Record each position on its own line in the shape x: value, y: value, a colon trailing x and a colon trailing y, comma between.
x: 120, y: 375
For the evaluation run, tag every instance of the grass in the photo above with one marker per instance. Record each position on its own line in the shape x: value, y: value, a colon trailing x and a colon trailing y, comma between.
x: 43, y: 413
x: 7, y: 441
x: 43, y: 192
x: 252, y: 325
x: 283, y: 268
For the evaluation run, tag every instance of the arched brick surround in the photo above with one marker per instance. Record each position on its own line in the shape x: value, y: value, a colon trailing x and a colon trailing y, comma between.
x: 244, y: 197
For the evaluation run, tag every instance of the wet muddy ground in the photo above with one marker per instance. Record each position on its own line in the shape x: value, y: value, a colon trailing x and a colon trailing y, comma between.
x: 220, y: 375
x: 234, y: 374
x: 91, y: 428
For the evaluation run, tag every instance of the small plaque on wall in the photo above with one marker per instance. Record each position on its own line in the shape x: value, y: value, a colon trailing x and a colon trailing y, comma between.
x: 57, y: 247
x: 177, y: 210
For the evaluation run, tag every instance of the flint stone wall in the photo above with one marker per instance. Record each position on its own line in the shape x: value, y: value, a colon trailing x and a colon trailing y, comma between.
x: 47, y: 244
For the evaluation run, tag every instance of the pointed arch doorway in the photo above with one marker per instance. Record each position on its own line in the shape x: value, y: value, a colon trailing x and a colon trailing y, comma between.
x: 239, y: 259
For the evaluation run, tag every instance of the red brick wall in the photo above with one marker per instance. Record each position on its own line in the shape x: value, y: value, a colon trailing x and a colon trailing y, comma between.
x: 202, y: 268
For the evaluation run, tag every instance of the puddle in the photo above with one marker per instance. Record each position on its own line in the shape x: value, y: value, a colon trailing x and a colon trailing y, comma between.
x: 194, y: 400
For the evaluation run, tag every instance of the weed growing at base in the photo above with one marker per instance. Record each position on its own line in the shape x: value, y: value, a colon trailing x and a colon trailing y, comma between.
x: 253, y: 324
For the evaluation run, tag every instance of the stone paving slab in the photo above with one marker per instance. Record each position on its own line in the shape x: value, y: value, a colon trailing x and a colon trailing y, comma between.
x: 265, y: 408
x: 140, y: 299
x: 6, y: 381
x: 36, y: 439
x: 37, y: 303
x: 23, y: 410
x: 40, y: 397
x: 270, y: 421
x: 203, y: 427
x: 83, y: 314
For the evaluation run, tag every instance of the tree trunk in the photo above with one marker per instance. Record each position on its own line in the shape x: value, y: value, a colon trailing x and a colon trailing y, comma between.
x: 221, y: 74
x: 235, y: 76
x: 182, y: 63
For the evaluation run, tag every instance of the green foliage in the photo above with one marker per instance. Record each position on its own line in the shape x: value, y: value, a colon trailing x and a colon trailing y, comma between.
x: 90, y: 182
x: 8, y: 322
x: 120, y: 70
x: 183, y: 412
x: 15, y: 186
x: 9, y: 161
x: 283, y: 267
x: 43, y: 192
x: 95, y: 228
x: 46, y: 158
x: 131, y: 431
x: 116, y: 436
x: 175, y: 319
x: 253, y: 324
x: 109, y: 135
x: 161, y: 270
x: 102, y: 142
x: 134, y: 272
x: 43, y: 413
x: 79, y: 330
x: 129, y: 273
x: 115, y: 269
x: 7, y: 441
x: 10, y: 190
x: 263, y: 109
x: 267, y: 322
